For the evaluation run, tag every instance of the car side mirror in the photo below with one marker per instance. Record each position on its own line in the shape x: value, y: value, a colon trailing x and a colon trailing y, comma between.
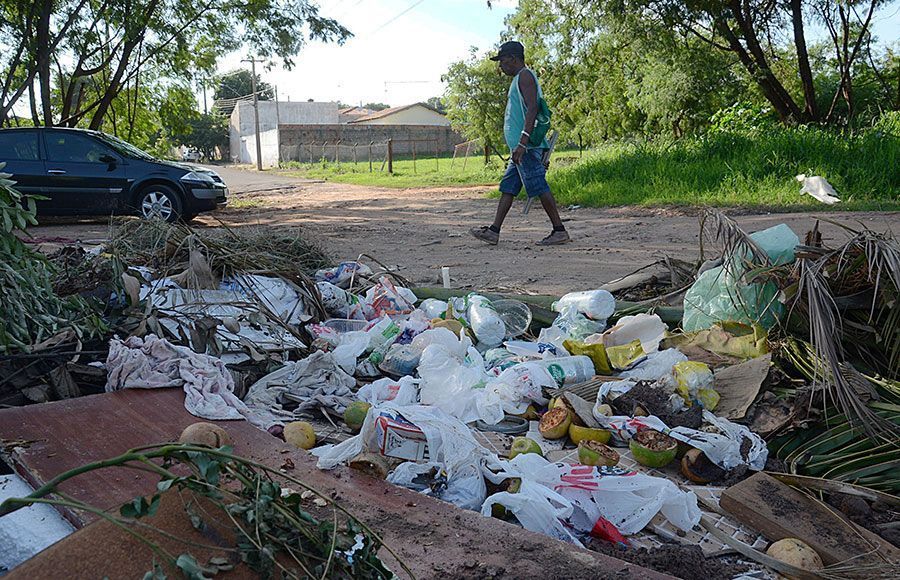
x: 108, y: 159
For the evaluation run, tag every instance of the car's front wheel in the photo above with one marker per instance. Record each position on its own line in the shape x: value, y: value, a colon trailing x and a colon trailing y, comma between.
x: 159, y: 202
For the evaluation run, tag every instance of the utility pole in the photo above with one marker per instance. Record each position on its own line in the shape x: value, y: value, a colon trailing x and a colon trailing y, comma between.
x: 253, y: 62
x: 203, y: 84
x: 277, y: 127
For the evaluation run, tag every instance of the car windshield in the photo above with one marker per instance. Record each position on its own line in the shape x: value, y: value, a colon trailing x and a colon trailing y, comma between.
x: 124, y: 147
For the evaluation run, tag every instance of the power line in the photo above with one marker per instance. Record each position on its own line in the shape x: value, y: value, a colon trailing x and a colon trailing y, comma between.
x: 413, y: 5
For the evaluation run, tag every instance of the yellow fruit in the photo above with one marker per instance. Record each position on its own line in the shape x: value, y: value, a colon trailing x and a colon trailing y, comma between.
x: 355, y: 414
x: 453, y: 326
x: 522, y: 445
x: 205, y: 434
x: 796, y: 553
x: 605, y: 409
x: 555, y: 423
x: 300, y: 434
x: 578, y: 434
x: 597, y: 454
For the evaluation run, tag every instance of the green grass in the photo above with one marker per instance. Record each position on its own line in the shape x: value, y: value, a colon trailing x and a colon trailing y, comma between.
x: 755, y: 170
x: 738, y: 171
x: 427, y: 172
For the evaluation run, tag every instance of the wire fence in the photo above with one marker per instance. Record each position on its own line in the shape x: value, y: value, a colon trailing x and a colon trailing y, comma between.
x: 375, y: 156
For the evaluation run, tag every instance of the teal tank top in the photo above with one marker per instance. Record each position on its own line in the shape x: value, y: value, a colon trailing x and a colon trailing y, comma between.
x: 514, y: 118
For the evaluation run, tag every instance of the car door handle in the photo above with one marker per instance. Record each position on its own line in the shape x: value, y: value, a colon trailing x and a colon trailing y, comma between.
x: 56, y: 172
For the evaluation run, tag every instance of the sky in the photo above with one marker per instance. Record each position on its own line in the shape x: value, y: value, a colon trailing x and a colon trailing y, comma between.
x: 397, y: 55
x: 401, y: 48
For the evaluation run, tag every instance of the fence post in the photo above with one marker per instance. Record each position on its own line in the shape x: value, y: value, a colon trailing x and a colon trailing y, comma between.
x: 466, y: 158
x: 437, y: 164
x: 310, y: 153
x: 370, y: 155
x: 414, y: 157
x: 487, y: 153
x: 390, y: 156
x: 324, y: 159
x: 337, y: 150
x: 354, y: 153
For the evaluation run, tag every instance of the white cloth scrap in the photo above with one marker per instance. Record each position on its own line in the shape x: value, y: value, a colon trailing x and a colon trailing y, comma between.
x: 153, y: 363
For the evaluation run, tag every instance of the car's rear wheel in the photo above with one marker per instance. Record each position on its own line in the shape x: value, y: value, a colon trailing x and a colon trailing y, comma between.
x: 159, y: 202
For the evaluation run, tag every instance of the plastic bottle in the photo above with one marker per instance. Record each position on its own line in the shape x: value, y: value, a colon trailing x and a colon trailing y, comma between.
x: 382, y: 335
x: 595, y: 304
x: 486, y: 323
x: 568, y: 370
x: 401, y: 360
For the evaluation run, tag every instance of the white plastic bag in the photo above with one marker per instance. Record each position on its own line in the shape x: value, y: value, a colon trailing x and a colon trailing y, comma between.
x: 433, y: 308
x: 400, y: 392
x: 444, y: 337
x: 447, y: 442
x: 456, y: 385
x: 723, y: 449
x: 648, y: 328
x: 595, y: 304
x: 341, y: 304
x: 656, y: 366
x: 385, y: 299
x: 350, y: 346
x: 576, y: 325
x: 629, y: 500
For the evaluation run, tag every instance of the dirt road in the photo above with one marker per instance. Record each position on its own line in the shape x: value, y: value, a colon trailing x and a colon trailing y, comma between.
x: 418, y: 231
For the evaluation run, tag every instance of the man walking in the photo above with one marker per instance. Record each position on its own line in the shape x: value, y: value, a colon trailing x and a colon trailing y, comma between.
x: 525, y: 165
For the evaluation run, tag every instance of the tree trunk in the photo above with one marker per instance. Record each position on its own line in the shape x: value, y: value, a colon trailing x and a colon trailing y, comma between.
x: 811, y: 110
x: 784, y: 111
x: 763, y: 73
x: 43, y: 60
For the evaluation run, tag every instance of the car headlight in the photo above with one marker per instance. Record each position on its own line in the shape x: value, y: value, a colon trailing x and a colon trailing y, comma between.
x: 195, y: 176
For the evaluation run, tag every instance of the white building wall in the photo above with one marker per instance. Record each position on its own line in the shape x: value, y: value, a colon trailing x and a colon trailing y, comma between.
x: 242, y: 126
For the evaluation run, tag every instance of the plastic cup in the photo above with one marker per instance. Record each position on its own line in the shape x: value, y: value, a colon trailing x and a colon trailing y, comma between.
x: 515, y: 315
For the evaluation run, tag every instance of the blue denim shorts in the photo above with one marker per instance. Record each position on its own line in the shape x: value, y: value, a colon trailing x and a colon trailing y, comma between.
x: 531, y: 171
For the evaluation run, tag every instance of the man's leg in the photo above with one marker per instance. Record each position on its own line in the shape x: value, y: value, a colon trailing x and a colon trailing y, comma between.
x: 510, y: 186
x: 549, y: 203
x: 535, y: 176
x: 506, y: 201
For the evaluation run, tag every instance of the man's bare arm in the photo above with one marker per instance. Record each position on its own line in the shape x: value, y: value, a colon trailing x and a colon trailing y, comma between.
x: 528, y: 88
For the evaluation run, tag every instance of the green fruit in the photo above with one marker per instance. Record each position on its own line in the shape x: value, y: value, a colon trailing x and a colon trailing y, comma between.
x: 578, y: 434
x: 355, y: 415
x: 597, y: 454
x: 522, y: 445
x: 555, y: 423
x: 652, y: 448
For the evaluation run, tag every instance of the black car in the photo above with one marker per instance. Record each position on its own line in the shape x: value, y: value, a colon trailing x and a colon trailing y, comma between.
x: 92, y: 173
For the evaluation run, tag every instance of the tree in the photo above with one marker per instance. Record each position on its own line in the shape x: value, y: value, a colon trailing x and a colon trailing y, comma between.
x: 376, y: 106
x: 237, y: 84
x: 608, y: 76
x: 751, y: 31
x: 55, y: 50
x: 476, y: 98
x: 437, y: 103
x: 208, y: 133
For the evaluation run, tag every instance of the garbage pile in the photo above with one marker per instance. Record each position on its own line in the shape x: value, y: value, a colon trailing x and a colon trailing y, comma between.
x: 587, y: 418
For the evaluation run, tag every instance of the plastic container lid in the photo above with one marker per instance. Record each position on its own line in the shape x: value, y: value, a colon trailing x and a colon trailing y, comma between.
x: 345, y: 324
x: 515, y: 315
